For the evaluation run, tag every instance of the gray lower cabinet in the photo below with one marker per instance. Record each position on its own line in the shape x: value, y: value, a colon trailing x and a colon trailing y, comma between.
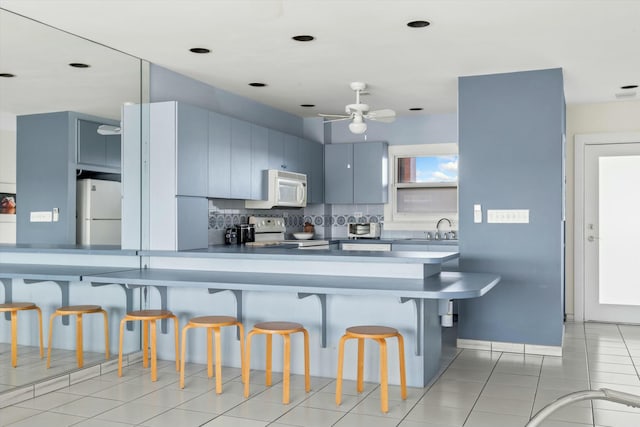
x: 356, y: 173
x: 97, y: 152
x: 192, y: 141
x: 192, y: 223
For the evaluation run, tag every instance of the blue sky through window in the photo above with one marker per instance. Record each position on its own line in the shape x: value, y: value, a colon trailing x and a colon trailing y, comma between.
x: 437, y: 169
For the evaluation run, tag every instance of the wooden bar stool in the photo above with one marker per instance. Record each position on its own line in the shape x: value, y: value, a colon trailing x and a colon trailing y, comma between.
x: 378, y: 334
x: 14, y: 308
x: 213, y: 324
x: 149, y: 319
x: 78, y: 311
x: 285, y: 329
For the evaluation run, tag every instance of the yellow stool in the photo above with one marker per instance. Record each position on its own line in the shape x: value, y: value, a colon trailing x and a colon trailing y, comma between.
x: 13, y: 308
x: 285, y: 329
x: 379, y: 334
x: 149, y: 318
x: 213, y: 324
x: 78, y: 311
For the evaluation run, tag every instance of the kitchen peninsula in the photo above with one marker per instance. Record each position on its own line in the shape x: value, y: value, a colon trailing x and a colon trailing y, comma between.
x: 405, y: 290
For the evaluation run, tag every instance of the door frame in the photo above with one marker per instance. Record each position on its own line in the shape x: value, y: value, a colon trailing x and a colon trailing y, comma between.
x: 580, y: 142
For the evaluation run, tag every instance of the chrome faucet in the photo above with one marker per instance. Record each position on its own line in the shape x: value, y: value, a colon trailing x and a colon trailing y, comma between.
x: 438, y: 226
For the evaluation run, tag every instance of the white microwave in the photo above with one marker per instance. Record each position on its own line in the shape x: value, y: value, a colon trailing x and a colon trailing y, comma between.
x: 284, y: 189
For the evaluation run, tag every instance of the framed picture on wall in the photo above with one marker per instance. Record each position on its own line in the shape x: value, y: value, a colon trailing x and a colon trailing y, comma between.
x: 8, y: 203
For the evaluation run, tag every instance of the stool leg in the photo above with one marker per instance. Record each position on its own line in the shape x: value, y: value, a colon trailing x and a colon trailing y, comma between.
x: 184, y: 353
x: 176, y: 328
x: 154, y: 365
x: 268, y: 367
x: 340, y: 367
x: 53, y: 316
x: 40, y: 328
x: 307, y: 376
x: 286, y: 368
x: 241, y: 330
x: 360, y: 364
x: 218, y: 361
x: 384, y: 385
x: 403, y: 376
x: 79, y: 343
x: 14, y: 338
x: 246, y: 366
x: 122, y: 322
x: 209, y: 353
x: 145, y: 343
x: 106, y: 334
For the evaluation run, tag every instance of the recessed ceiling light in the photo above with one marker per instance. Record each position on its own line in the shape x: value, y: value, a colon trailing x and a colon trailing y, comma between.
x: 7, y: 75
x: 79, y: 65
x: 629, y: 87
x: 307, y: 105
x: 418, y: 24
x: 257, y: 84
x: 199, y: 50
x: 415, y: 109
x: 303, y: 38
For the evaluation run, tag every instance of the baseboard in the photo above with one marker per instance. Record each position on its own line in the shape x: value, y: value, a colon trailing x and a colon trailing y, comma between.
x: 508, y: 347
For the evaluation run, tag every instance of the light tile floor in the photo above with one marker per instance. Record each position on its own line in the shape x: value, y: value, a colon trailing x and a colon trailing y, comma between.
x: 477, y: 389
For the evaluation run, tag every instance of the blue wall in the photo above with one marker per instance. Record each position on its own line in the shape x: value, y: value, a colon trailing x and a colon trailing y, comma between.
x: 167, y: 85
x: 510, y: 143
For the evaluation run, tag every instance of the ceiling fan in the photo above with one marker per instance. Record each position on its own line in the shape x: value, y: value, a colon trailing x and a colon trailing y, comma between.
x: 359, y: 112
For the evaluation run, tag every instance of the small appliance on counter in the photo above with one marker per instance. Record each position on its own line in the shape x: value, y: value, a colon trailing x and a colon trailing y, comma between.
x: 270, y: 232
x: 364, y: 230
x: 240, y: 234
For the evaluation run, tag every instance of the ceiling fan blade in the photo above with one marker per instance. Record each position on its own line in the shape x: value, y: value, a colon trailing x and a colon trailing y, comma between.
x: 338, y: 120
x: 344, y: 116
x: 385, y: 116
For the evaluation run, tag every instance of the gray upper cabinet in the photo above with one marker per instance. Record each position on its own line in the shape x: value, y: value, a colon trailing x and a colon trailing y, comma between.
x: 316, y: 172
x: 370, y: 160
x: 219, y: 156
x: 259, y: 161
x: 290, y: 153
x: 192, y: 150
x: 240, y: 159
x: 276, y: 149
x: 94, y: 151
x: 338, y: 173
x: 356, y: 173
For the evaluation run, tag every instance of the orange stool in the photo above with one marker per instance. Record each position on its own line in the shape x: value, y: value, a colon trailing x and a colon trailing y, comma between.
x: 285, y: 329
x: 379, y: 334
x: 14, y: 308
x: 149, y: 318
x: 78, y: 311
x: 213, y: 324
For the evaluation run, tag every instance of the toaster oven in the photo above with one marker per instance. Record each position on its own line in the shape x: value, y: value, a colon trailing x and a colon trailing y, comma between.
x: 364, y: 230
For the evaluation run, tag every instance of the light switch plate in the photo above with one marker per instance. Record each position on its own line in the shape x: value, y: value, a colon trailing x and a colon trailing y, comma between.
x: 477, y: 214
x: 508, y: 216
x: 43, y: 216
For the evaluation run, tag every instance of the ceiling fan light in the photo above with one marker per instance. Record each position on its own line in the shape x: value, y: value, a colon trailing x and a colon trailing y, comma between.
x: 357, y: 126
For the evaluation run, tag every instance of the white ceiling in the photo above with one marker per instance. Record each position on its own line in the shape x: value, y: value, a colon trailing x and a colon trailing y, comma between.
x: 595, y: 42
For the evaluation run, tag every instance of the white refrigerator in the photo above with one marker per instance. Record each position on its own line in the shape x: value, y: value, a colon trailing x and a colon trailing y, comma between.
x: 99, y: 205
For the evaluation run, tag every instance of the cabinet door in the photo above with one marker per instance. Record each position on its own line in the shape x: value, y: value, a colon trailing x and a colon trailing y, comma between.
x: 276, y: 148
x: 304, y: 159
x: 240, y: 159
x: 370, y: 172
x: 219, y: 156
x: 290, y: 153
x: 192, y: 150
x: 338, y: 173
x: 259, y: 162
x: 113, y: 151
x: 316, y: 183
x: 91, y: 145
x: 193, y: 223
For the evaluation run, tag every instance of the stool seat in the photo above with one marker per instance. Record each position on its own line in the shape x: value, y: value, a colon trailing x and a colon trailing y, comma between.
x: 213, y: 325
x: 13, y: 308
x: 78, y: 311
x: 285, y: 329
x: 371, y: 331
x: 278, y: 327
x: 378, y: 334
x: 148, y: 318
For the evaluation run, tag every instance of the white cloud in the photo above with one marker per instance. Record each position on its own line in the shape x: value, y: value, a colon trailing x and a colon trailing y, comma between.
x: 440, y: 176
x: 449, y: 166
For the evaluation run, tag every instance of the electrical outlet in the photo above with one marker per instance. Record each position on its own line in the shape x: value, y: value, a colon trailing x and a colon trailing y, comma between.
x: 477, y: 214
x: 44, y: 216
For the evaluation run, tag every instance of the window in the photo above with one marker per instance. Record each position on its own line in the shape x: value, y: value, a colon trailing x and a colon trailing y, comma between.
x: 424, y: 186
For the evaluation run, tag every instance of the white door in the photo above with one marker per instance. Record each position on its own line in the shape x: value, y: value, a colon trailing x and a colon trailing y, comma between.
x: 612, y: 232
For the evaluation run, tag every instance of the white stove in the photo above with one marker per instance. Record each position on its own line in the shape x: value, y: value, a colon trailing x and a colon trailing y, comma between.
x: 271, y: 232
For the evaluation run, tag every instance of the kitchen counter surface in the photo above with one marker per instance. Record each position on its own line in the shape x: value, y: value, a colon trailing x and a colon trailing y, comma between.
x: 71, y: 249
x: 292, y: 252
